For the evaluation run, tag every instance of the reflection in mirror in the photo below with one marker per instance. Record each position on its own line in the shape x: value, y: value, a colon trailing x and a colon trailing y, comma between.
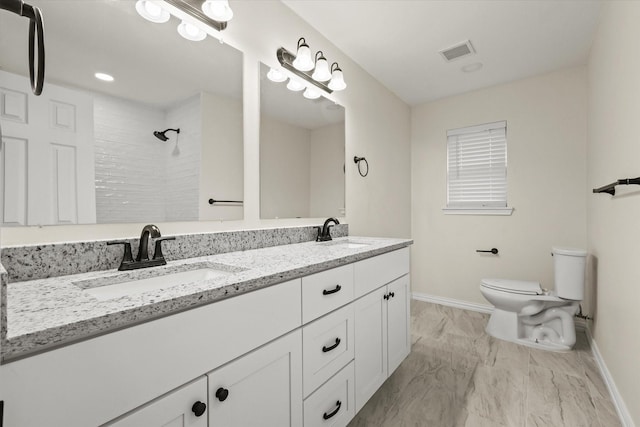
x: 301, y: 153
x: 85, y: 151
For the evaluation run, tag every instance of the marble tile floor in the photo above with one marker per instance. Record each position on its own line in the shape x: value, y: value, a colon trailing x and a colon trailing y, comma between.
x: 457, y: 375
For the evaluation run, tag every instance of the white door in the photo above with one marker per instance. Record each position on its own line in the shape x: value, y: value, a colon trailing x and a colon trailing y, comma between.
x: 370, y: 344
x: 398, y: 322
x: 46, y: 156
x: 184, y: 407
x: 262, y: 388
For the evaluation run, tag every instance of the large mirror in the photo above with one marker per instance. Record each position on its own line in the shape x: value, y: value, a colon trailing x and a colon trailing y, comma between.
x: 302, y: 153
x: 93, y: 151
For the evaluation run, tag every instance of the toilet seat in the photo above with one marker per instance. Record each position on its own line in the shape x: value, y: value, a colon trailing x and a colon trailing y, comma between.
x: 521, y: 287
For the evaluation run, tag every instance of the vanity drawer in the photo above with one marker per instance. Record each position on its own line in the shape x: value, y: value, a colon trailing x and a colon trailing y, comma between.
x: 372, y: 273
x: 333, y: 403
x: 325, y: 291
x: 327, y: 346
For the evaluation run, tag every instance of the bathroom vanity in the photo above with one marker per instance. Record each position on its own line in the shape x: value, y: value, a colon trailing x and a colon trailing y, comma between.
x: 290, y: 335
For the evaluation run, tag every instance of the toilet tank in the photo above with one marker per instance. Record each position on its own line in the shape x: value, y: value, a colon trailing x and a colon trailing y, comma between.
x: 569, y: 266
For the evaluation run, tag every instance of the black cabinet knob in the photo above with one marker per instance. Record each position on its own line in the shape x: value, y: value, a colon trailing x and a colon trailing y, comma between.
x: 199, y: 408
x: 222, y: 394
x: 391, y: 294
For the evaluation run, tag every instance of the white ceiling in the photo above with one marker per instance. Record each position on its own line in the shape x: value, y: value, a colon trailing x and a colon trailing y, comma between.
x: 398, y: 41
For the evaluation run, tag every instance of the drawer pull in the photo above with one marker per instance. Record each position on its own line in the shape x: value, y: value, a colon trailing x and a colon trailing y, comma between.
x: 332, y: 291
x: 222, y: 394
x: 326, y: 349
x: 335, y: 411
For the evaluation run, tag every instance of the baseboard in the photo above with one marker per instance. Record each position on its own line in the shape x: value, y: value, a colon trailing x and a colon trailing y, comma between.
x: 621, y: 408
x: 450, y: 302
x: 618, y: 402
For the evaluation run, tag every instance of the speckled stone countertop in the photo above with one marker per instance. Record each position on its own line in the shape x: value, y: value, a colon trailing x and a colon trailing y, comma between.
x: 48, y: 313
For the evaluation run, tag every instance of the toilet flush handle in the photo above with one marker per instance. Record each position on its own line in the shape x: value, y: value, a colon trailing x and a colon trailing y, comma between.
x: 493, y: 251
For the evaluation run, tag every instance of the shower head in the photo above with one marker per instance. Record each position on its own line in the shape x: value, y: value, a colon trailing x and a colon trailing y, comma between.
x: 162, y: 135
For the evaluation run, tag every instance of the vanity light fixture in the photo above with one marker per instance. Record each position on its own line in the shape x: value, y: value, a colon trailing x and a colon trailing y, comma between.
x: 302, y: 60
x: 321, y: 73
x: 212, y: 13
x: 318, y: 76
x: 152, y: 11
x: 276, y: 75
x: 218, y: 10
x: 191, y: 32
x: 337, y: 78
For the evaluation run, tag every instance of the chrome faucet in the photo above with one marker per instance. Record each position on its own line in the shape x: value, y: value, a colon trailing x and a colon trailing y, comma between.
x: 142, y: 260
x: 324, y: 234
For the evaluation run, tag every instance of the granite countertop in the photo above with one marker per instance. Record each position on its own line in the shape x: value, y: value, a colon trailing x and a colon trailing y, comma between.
x: 48, y: 313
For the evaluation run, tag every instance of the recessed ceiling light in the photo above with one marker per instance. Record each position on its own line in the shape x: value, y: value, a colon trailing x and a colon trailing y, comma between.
x: 104, y: 77
x: 470, y: 68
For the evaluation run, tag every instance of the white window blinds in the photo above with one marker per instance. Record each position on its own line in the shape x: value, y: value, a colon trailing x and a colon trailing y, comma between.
x: 477, y: 166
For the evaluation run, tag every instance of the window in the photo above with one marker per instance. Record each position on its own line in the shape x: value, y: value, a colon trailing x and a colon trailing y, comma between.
x: 477, y: 170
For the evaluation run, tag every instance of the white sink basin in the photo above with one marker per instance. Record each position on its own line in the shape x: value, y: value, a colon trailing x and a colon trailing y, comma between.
x: 127, y: 287
x: 348, y: 244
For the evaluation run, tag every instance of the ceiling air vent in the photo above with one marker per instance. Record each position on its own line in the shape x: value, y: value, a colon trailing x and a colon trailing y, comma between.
x: 458, y: 51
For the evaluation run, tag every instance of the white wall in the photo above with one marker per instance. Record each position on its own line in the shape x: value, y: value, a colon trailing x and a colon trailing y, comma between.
x: 221, y: 172
x: 284, y: 169
x: 377, y: 127
x: 546, y: 146
x: 613, y: 222
x: 326, y: 171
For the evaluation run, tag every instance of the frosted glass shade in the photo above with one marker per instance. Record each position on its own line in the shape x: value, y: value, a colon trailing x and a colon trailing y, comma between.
x: 152, y: 11
x: 218, y: 10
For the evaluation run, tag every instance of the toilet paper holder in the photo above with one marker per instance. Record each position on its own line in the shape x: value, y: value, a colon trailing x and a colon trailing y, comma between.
x: 492, y: 250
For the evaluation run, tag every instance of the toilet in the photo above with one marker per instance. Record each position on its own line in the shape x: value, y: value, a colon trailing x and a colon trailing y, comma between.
x: 526, y: 313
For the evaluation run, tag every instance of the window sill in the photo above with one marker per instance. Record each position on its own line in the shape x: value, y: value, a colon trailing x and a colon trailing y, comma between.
x: 477, y: 211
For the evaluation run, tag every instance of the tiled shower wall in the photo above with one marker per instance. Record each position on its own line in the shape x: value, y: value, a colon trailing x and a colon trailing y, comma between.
x: 128, y: 161
x: 139, y: 177
x: 182, y: 176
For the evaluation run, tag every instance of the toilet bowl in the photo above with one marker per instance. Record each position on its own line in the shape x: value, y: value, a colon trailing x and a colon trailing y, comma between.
x: 525, y: 313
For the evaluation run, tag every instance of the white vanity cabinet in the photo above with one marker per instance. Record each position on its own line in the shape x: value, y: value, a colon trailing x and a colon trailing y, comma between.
x: 382, y: 327
x: 262, y: 388
x: 306, y: 352
x: 184, y: 407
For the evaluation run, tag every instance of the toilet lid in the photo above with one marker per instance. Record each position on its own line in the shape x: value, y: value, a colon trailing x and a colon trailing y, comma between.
x: 513, y: 286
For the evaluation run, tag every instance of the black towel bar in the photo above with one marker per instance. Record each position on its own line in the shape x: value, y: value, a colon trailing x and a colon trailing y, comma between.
x: 611, y: 188
x: 212, y: 201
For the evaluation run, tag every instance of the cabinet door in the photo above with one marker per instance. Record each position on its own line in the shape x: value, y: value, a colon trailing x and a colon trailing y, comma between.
x: 398, y: 322
x: 179, y: 408
x: 262, y: 388
x: 370, y: 344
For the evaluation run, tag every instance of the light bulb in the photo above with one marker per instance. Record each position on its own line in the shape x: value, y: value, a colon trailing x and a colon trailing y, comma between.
x: 303, y: 61
x: 191, y: 32
x: 152, y: 11
x: 295, y: 85
x: 218, y: 10
x: 337, y: 79
x: 276, y: 75
x: 311, y: 93
x: 321, y: 73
